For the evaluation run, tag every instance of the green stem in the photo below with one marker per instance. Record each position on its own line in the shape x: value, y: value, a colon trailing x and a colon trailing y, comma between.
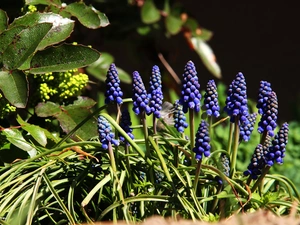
x: 235, y: 147
x: 260, y: 179
x: 231, y: 129
x: 192, y: 134
x: 197, y: 174
x: 145, y: 127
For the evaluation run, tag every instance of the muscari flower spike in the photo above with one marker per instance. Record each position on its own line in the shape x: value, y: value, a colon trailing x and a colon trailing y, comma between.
x: 263, y: 94
x: 236, y: 101
x: 211, y: 104
x: 125, y: 124
x: 179, y: 118
x: 246, y: 129
x: 140, y: 97
x: 113, y: 91
x: 224, y: 167
x: 202, y: 142
x: 155, y: 93
x: 190, y: 94
x: 276, y: 151
x: 268, y: 119
x: 105, y: 133
x: 257, y: 163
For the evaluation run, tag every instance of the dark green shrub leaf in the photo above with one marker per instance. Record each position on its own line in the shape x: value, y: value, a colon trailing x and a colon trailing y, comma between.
x: 207, y: 56
x: 7, y: 37
x: 99, y: 69
x: 36, y: 132
x: 87, y: 15
x: 24, y: 44
x: 173, y: 24
x: 71, y: 115
x: 15, y: 137
x: 63, y: 58
x: 61, y: 27
x: 3, y: 20
x: 14, y: 86
x: 43, y: 2
x: 149, y: 12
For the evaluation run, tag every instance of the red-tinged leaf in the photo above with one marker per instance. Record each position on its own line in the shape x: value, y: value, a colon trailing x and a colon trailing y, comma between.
x: 14, y: 86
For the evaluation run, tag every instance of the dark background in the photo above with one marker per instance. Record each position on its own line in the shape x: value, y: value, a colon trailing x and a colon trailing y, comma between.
x: 258, y: 38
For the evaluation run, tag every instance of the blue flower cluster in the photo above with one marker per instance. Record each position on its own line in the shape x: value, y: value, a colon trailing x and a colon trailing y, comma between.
x: 263, y: 95
x: 247, y: 128
x: 105, y: 133
x: 257, y: 163
x: 268, y: 119
x: 140, y: 97
x: 236, y: 101
x: 155, y: 93
x: 113, y: 91
x: 211, y: 104
x: 125, y: 124
x: 190, y: 94
x: 202, y: 141
x: 179, y: 118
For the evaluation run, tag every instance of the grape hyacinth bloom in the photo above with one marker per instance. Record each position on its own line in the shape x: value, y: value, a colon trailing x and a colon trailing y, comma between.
x: 236, y: 101
x: 263, y: 94
x: 268, y: 120
x: 155, y: 93
x: 202, y: 142
x: 105, y: 133
x: 190, y: 94
x: 179, y: 118
x: 276, y: 151
x: 211, y: 104
x: 113, y: 91
x: 257, y: 163
x: 246, y: 129
x: 125, y: 124
x: 140, y: 97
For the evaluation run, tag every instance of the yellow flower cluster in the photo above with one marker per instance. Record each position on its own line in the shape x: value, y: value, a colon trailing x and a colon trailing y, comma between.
x: 6, y: 107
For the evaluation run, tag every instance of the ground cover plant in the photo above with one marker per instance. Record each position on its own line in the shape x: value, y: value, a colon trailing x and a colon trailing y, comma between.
x: 205, y: 154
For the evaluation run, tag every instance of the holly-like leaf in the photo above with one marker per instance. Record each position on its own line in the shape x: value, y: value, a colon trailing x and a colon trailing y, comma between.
x: 15, y: 137
x: 24, y: 44
x: 99, y: 69
x: 87, y: 15
x: 3, y: 20
x: 207, y: 56
x: 61, y: 27
x: 173, y: 24
x: 71, y: 115
x: 62, y: 58
x: 43, y: 2
x: 7, y: 37
x: 14, y: 86
x: 149, y: 12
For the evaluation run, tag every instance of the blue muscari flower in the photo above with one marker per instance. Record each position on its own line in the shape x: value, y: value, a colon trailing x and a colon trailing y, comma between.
x: 179, y: 118
x: 113, y: 91
x: 140, y: 97
x: 155, y: 93
x: 236, y: 101
x: 125, y: 124
x: 190, y: 94
x: 246, y: 129
x: 105, y: 133
x: 257, y: 163
x: 268, y: 120
x: 276, y: 151
x: 202, y: 141
x: 263, y: 94
x: 211, y: 104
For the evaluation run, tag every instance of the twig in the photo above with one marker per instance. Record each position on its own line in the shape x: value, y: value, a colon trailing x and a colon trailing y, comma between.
x: 169, y: 68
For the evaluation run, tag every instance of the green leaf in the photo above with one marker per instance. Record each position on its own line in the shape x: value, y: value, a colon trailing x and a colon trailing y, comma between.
x: 43, y: 2
x: 62, y: 58
x: 87, y: 15
x: 15, y: 137
x: 173, y: 24
x: 207, y: 56
x: 36, y: 132
x: 61, y: 27
x: 24, y: 44
x: 99, y: 69
x: 149, y: 12
x: 3, y: 20
x: 71, y: 115
x: 14, y: 86
x: 7, y: 37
